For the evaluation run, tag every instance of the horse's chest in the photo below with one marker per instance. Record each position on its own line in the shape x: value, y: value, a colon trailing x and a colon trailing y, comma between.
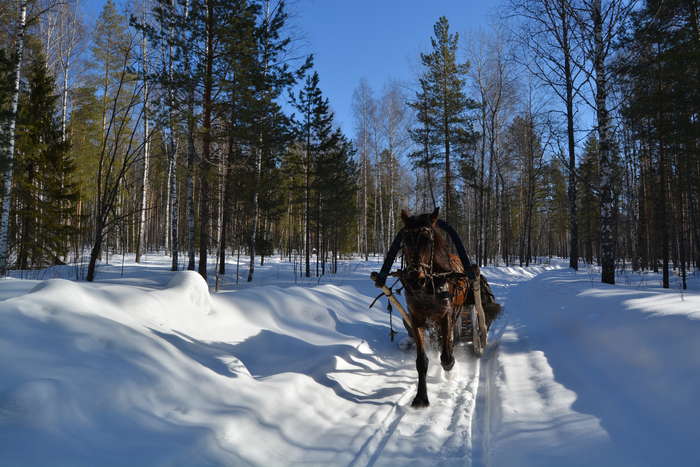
x: 429, y: 303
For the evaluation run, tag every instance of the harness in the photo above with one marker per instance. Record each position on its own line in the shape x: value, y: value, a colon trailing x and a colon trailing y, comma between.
x: 397, y: 243
x: 419, y: 268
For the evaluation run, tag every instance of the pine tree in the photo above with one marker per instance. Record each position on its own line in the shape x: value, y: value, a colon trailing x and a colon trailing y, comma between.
x: 442, y: 106
x: 336, y: 175
x: 589, y: 202
x: 121, y: 111
x: 661, y: 76
x: 45, y: 192
x: 314, y: 127
x: 275, y: 75
x: 240, y: 49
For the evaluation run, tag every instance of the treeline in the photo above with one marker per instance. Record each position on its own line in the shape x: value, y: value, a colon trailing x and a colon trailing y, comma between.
x: 193, y: 127
x: 570, y: 128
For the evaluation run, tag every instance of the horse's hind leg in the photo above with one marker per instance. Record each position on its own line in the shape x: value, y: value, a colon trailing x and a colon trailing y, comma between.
x: 447, y: 358
x: 421, y: 399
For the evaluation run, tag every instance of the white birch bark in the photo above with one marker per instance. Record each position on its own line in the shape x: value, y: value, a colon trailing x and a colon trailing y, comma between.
x: 607, y: 240
x: 141, y: 243
x: 9, y: 144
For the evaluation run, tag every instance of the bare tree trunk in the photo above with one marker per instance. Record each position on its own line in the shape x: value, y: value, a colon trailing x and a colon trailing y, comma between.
x: 382, y: 239
x: 206, y: 142
x: 189, y: 190
x: 95, y: 252
x: 227, y: 199
x: 365, y: 222
x: 573, y: 221
x: 448, y: 179
x: 307, y: 207
x: 172, y: 160
x: 258, y: 162
x: 9, y: 146
x: 607, y: 205
x: 141, y: 238
x: 191, y: 156
x: 256, y: 214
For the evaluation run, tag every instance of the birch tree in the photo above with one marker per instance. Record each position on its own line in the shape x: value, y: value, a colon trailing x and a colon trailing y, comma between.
x: 548, y: 33
x: 364, y: 107
x: 599, y: 26
x: 7, y: 143
x: 143, y: 206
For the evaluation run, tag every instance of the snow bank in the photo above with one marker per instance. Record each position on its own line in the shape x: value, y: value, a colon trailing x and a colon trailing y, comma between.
x: 161, y: 372
x: 93, y: 373
x: 590, y: 374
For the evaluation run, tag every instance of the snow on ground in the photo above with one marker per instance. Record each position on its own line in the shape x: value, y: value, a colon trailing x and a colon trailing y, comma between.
x: 148, y: 367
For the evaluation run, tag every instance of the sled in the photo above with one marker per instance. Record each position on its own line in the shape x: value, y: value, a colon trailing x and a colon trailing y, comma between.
x: 477, y: 306
x: 473, y: 317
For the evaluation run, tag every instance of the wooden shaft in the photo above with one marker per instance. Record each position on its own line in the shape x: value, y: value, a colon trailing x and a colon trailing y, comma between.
x: 476, y: 287
x: 387, y: 291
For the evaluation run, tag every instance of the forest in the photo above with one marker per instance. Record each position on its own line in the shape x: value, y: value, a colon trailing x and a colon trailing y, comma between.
x: 198, y: 129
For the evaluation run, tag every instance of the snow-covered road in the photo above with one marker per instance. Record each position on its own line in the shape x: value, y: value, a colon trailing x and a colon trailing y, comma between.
x: 152, y: 369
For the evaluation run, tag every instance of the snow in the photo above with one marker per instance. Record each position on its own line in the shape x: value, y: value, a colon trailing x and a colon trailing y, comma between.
x: 150, y: 367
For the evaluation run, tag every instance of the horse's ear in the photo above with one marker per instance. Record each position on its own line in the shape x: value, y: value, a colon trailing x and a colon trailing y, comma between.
x: 404, y: 216
x: 434, y: 215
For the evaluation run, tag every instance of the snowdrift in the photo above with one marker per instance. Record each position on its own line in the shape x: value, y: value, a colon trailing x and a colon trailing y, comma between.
x: 92, y: 374
x: 162, y: 372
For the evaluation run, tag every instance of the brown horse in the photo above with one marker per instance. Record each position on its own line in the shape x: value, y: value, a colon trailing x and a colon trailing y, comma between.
x: 429, y: 293
x: 434, y: 286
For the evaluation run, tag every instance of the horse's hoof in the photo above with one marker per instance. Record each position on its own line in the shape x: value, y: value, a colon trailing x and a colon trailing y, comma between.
x: 447, y: 366
x: 420, y: 402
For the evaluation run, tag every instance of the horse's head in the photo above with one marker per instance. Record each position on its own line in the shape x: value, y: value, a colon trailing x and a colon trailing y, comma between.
x: 423, y: 247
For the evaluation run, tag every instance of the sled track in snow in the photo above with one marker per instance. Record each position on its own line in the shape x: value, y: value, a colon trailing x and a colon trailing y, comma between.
x: 457, y: 428
x: 441, y: 431
x: 481, y: 434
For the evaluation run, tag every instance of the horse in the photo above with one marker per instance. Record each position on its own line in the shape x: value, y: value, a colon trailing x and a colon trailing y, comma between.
x: 435, y: 284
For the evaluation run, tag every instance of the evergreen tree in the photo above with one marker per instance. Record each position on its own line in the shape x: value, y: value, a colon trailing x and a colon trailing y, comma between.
x: 661, y: 76
x: 442, y: 106
x: 336, y: 175
x: 240, y: 47
x: 121, y: 111
x: 45, y: 192
x: 111, y: 44
x: 275, y: 75
x: 589, y: 202
x: 314, y: 128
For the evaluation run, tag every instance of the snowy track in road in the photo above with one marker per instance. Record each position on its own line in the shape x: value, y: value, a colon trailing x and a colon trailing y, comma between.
x: 262, y: 376
x: 437, y: 435
x: 575, y: 373
x: 455, y: 429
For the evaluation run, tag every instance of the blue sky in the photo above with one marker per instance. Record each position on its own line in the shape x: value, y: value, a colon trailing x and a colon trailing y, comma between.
x: 378, y: 40
x: 374, y: 39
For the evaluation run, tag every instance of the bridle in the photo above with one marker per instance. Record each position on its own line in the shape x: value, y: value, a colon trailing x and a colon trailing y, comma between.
x: 413, y: 263
x: 398, y: 242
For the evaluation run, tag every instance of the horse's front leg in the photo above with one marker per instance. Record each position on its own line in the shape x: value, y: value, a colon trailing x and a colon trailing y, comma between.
x: 421, y: 399
x: 447, y: 358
